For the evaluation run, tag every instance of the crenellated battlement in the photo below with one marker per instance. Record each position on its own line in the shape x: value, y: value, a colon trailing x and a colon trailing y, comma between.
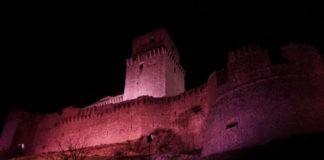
x: 152, y: 54
x: 108, y: 100
x: 73, y: 114
x: 303, y: 60
x: 300, y: 53
x: 260, y: 102
x: 246, y: 51
x: 249, y: 61
x: 252, y: 62
x: 304, y: 57
x: 300, y: 48
x: 245, y: 60
x: 154, y: 68
x: 155, y: 39
x: 230, y: 111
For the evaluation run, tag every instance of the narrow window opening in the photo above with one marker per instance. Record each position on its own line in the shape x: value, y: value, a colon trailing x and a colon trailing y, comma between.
x: 231, y: 125
x: 152, y: 39
x: 174, y: 70
x: 196, y: 109
x: 141, y: 66
x: 20, y: 147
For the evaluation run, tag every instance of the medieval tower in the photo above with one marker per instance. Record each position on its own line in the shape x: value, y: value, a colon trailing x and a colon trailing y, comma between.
x: 251, y: 102
x: 154, y: 68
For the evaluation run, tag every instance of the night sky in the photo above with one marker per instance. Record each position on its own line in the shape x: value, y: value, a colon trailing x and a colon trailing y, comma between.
x: 57, y: 55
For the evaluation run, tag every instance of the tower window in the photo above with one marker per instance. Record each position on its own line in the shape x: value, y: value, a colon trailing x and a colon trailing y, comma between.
x: 152, y: 39
x: 231, y: 125
x: 141, y: 66
x: 174, y: 70
x: 196, y: 109
x: 20, y: 146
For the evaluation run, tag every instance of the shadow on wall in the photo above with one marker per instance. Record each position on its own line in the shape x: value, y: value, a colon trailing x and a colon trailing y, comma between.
x: 163, y: 141
x: 298, y: 147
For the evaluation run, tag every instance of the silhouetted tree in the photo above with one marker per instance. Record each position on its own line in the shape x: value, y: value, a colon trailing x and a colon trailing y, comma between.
x: 73, y: 150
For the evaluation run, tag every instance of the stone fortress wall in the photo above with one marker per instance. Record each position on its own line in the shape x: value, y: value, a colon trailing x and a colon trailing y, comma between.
x: 249, y: 103
x: 263, y: 102
x: 109, y: 123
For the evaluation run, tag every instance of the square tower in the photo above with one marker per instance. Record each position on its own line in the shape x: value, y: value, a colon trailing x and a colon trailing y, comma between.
x: 154, y: 68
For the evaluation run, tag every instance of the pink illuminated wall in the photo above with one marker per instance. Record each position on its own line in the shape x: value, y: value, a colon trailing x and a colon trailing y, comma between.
x: 116, y: 123
x: 266, y: 103
x: 249, y: 103
x: 154, y: 68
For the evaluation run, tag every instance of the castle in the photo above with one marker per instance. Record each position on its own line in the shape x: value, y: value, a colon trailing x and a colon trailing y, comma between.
x: 249, y: 103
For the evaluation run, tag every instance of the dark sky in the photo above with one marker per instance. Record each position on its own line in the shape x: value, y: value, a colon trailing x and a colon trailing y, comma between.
x: 55, y: 55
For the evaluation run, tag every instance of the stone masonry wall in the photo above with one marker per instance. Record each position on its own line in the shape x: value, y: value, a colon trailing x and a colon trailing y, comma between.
x: 270, y: 103
x: 108, y: 124
x: 154, y: 68
x: 88, y: 127
x: 238, y: 107
x: 188, y: 114
x: 115, y: 123
x: 175, y: 81
x: 155, y: 73
x: 145, y: 76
